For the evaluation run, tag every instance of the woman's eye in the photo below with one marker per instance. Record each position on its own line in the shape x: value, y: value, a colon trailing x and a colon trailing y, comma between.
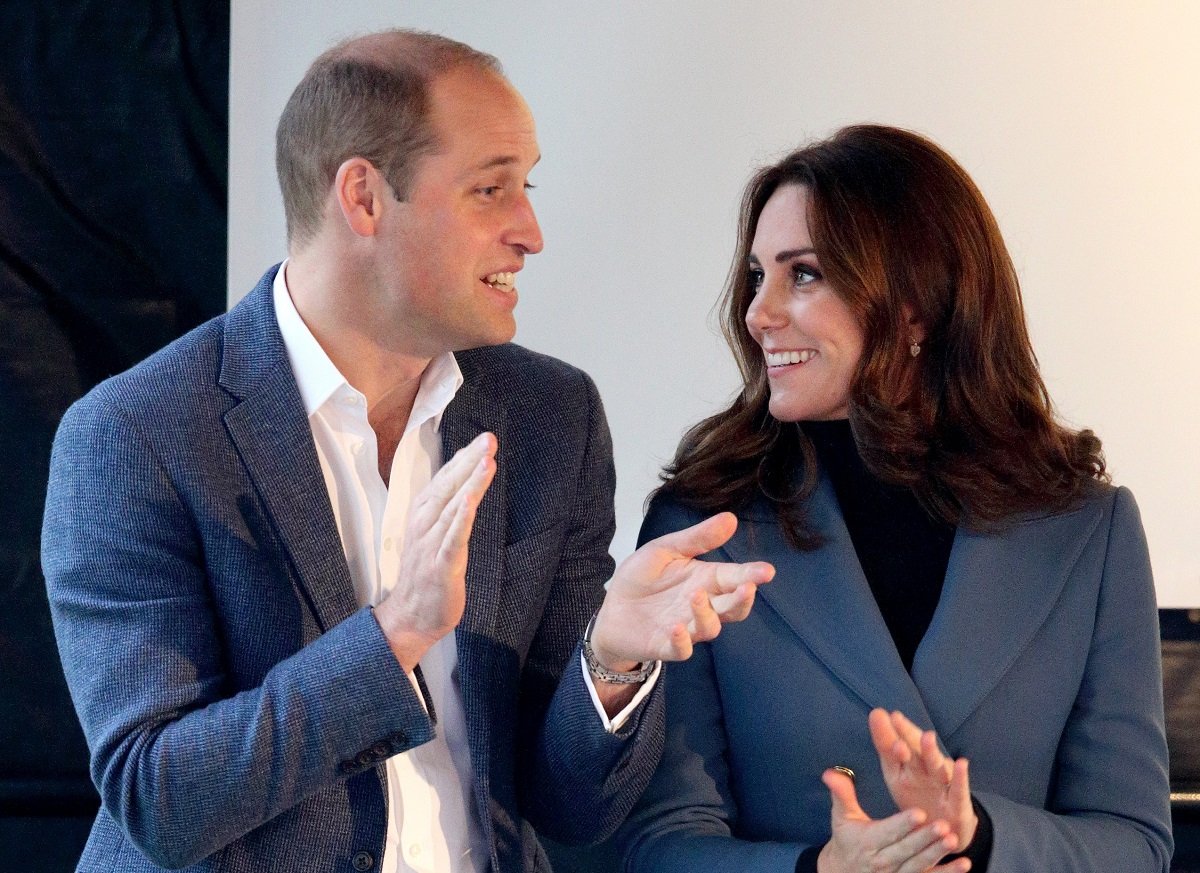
x: 755, y: 276
x: 802, y: 274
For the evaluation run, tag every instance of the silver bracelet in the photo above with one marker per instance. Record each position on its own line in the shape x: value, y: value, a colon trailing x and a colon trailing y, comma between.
x: 599, y: 671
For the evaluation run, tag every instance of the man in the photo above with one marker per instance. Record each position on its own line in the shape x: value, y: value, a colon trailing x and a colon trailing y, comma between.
x: 280, y: 653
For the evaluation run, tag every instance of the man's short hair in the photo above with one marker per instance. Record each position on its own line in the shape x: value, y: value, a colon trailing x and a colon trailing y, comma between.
x: 366, y: 97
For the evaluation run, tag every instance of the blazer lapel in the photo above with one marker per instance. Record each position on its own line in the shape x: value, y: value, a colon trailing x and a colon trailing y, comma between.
x: 273, y: 437
x: 470, y: 413
x: 823, y: 596
x: 999, y: 589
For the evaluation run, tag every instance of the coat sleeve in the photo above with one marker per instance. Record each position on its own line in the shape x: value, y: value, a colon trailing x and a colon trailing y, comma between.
x: 183, y: 762
x: 582, y: 781
x: 686, y: 819
x: 1108, y: 807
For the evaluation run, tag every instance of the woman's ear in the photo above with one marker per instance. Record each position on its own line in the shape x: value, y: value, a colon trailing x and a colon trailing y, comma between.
x: 914, y: 331
x: 914, y: 327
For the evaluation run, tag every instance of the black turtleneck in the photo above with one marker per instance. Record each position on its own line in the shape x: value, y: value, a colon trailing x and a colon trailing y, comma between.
x: 903, y: 552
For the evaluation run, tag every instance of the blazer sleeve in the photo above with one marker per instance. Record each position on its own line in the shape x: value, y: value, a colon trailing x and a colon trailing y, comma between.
x: 1109, y: 803
x: 686, y: 819
x: 581, y: 781
x: 183, y: 764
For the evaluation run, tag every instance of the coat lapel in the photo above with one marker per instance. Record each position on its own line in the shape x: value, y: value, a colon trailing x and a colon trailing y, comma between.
x: 273, y: 437
x: 471, y: 413
x: 823, y: 596
x: 999, y: 589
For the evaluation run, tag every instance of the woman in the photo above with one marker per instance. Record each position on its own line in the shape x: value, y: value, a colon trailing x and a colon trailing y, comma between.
x: 954, y: 571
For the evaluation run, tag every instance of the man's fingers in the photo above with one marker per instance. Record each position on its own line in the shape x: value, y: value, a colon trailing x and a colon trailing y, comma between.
x: 449, y: 480
x: 680, y: 643
x: 735, y: 605
x: 730, y: 577
x: 467, y: 476
x: 458, y: 517
x: 705, y: 623
x: 712, y: 533
x: 925, y: 847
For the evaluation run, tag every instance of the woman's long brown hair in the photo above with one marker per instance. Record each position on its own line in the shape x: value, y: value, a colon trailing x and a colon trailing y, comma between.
x: 903, y: 236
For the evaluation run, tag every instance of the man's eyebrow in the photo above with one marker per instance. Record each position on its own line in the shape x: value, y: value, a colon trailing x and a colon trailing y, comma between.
x: 787, y: 255
x: 503, y: 161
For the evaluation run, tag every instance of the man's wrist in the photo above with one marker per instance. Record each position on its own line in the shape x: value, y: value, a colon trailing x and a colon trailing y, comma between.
x: 601, y: 672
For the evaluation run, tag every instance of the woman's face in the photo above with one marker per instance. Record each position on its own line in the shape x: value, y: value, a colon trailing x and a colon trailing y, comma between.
x: 810, y: 338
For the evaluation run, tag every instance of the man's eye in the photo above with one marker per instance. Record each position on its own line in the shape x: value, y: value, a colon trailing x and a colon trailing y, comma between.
x: 488, y: 190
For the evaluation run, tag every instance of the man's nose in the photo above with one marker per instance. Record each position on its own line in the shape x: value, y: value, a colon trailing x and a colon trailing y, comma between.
x: 525, y: 231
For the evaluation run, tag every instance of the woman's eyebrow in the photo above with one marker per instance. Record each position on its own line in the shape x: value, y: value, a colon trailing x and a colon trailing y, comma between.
x: 793, y: 253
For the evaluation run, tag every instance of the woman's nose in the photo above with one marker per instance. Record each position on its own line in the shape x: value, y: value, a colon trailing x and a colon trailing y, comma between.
x: 765, y: 312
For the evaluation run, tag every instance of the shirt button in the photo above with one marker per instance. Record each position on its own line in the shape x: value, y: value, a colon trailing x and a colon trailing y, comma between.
x: 357, y: 448
x: 362, y: 861
x: 414, y: 849
x: 387, y: 544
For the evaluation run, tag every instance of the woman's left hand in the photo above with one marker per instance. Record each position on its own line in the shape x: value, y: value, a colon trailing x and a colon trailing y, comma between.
x: 919, y: 776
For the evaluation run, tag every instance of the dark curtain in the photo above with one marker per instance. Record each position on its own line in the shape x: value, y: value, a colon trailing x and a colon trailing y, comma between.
x: 113, y: 168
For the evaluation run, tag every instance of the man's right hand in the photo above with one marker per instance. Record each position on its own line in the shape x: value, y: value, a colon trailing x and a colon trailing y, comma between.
x: 430, y: 594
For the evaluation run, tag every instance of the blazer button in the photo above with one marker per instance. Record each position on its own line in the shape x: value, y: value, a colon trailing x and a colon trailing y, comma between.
x: 381, y: 751
x: 362, y: 861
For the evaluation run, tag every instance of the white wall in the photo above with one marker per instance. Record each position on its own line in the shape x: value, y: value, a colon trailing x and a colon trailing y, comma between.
x: 1080, y: 122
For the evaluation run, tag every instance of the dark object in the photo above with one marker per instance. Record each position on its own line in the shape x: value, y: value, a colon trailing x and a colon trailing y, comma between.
x: 113, y: 165
x: 1180, y: 630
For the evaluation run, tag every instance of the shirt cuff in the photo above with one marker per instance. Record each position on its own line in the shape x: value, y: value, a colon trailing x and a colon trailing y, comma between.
x: 419, y: 688
x: 617, y: 721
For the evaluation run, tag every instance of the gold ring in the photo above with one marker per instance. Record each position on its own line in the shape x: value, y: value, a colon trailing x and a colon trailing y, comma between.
x: 846, y: 771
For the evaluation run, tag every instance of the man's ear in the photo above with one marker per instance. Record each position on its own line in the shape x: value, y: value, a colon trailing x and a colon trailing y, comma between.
x: 358, y: 187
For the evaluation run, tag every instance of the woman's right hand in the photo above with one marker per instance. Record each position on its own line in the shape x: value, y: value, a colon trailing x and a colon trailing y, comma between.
x: 902, y: 843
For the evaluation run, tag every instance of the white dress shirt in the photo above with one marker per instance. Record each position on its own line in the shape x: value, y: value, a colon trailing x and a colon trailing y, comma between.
x: 433, y: 824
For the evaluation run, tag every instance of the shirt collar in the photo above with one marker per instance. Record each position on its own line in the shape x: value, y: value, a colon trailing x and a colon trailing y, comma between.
x: 319, y: 379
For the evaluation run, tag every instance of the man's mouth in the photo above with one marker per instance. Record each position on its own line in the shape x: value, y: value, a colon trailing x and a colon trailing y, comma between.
x: 501, y: 281
x: 795, y: 356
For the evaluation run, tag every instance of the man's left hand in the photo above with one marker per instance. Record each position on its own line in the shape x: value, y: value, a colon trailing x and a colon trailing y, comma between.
x: 662, y: 599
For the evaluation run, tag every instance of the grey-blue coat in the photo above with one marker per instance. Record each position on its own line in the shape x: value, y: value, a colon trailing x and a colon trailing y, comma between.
x: 1041, y: 665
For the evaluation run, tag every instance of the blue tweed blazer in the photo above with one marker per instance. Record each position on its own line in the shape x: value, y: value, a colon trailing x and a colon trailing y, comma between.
x: 237, y: 703
x: 1041, y: 665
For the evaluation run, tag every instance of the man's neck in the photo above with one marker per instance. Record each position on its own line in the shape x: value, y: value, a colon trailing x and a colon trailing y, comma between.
x: 388, y: 378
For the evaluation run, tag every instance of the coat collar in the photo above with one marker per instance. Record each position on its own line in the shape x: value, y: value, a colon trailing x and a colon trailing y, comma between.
x: 476, y: 409
x: 999, y: 589
x: 273, y: 436
x: 473, y: 411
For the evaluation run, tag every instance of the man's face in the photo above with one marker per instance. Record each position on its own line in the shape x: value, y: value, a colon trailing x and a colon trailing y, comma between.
x: 459, y: 238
